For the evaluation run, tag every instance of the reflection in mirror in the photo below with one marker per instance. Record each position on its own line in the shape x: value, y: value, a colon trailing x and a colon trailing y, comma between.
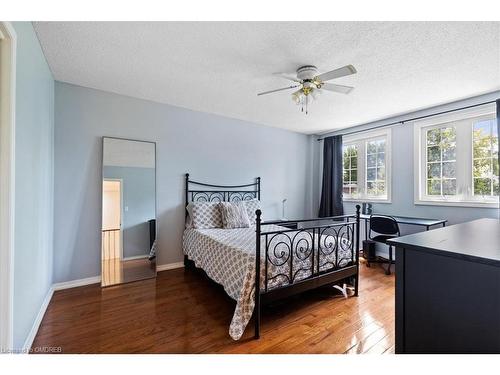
x: 128, y: 211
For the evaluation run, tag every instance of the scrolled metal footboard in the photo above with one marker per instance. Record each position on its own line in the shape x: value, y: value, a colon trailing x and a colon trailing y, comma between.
x: 296, y: 260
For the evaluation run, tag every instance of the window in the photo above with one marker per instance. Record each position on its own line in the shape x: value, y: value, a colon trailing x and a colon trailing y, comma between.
x: 457, y: 159
x: 366, y: 166
x: 350, y: 161
x: 375, y: 168
x: 441, y: 161
x: 485, y: 158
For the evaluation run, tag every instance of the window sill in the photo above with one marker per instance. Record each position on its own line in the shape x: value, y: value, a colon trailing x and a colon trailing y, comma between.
x: 367, y: 200
x: 457, y: 203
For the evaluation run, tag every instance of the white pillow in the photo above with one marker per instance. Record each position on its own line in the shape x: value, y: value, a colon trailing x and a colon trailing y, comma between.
x: 189, y: 221
x: 252, y: 205
x: 234, y: 215
x: 204, y: 215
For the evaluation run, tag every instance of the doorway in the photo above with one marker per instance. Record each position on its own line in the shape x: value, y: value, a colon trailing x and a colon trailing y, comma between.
x: 112, y: 233
x: 112, y: 220
x: 7, y: 180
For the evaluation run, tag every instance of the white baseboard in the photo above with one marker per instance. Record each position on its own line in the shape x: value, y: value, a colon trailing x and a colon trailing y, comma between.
x: 136, y: 257
x: 97, y: 279
x: 73, y: 284
x: 57, y: 286
x: 76, y: 283
x: 38, y: 320
x: 169, y: 266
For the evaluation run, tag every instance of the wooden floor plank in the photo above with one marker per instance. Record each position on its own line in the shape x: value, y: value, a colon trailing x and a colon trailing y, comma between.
x: 181, y: 311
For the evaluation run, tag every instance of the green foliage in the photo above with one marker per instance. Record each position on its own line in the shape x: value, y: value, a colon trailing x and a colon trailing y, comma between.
x: 434, y: 186
x: 350, y: 172
x: 433, y: 170
x: 482, y: 186
x: 441, y: 142
x: 485, y: 164
x: 441, y: 158
x: 449, y: 186
x: 433, y: 153
x: 371, y: 147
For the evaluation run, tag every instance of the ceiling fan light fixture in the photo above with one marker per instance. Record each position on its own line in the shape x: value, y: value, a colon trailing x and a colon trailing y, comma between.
x: 311, y: 83
x: 297, y: 97
x: 314, y: 94
x: 317, y: 83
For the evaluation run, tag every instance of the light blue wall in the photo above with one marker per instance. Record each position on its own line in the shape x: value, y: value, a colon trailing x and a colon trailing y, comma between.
x: 402, y: 174
x: 138, y: 191
x: 34, y: 181
x: 212, y: 148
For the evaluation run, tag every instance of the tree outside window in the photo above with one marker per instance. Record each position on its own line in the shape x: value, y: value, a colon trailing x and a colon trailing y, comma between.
x: 350, y: 170
x: 485, y: 158
x: 375, y: 168
x: 441, y: 161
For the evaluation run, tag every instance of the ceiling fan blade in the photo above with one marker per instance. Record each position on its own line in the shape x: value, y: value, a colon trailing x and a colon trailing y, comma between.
x: 287, y: 76
x: 336, y: 88
x: 271, y: 91
x: 337, y: 73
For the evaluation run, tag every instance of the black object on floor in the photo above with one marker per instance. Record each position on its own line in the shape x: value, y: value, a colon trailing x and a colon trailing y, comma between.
x: 369, y: 250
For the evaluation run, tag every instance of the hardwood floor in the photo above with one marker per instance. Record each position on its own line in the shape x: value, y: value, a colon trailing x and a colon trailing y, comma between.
x: 183, y: 312
x: 116, y: 271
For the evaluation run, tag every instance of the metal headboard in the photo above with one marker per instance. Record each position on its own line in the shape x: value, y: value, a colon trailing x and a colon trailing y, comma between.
x: 220, y: 193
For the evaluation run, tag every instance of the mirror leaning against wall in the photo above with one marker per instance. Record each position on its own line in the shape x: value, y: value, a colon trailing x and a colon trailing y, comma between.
x: 128, y: 233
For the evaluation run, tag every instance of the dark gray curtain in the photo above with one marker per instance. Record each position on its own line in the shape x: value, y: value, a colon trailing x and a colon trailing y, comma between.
x: 331, y: 192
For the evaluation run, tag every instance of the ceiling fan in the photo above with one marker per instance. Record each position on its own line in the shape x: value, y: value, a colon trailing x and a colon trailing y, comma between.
x: 310, y: 83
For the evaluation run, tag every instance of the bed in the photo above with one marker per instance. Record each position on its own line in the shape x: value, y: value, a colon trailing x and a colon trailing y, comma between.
x: 319, y: 252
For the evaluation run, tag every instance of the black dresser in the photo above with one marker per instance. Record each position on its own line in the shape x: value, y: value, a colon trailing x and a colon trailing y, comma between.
x: 448, y: 289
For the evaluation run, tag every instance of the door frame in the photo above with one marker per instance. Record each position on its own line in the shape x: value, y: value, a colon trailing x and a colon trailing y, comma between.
x: 120, y: 180
x: 8, y: 40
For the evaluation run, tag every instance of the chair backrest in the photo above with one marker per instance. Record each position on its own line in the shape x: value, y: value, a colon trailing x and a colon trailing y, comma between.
x: 384, y: 224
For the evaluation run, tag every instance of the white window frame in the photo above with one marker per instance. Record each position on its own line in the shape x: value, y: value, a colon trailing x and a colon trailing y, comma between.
x: 360, y: 139
x: 463, y: 121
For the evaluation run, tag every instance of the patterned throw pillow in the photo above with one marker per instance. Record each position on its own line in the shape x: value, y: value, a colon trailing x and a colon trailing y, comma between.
x: 234, y: 215
x: 204, y: 215
x: 252, y: 206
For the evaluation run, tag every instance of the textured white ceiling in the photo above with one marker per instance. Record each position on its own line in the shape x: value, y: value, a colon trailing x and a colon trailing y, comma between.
x: 219, y: 67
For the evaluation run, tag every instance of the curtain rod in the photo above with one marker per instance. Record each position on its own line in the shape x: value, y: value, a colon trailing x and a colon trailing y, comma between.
x: 414, y: 118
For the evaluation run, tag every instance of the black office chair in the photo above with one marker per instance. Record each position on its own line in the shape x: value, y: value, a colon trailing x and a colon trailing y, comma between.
x: 386, y: 228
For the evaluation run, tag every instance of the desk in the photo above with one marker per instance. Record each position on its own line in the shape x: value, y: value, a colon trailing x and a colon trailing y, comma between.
x: 427, y: 223
x: 448, y: 289
x: 289, y: 225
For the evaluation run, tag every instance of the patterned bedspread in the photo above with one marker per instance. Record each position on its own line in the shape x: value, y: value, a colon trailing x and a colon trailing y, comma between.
x: 228, y: 258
